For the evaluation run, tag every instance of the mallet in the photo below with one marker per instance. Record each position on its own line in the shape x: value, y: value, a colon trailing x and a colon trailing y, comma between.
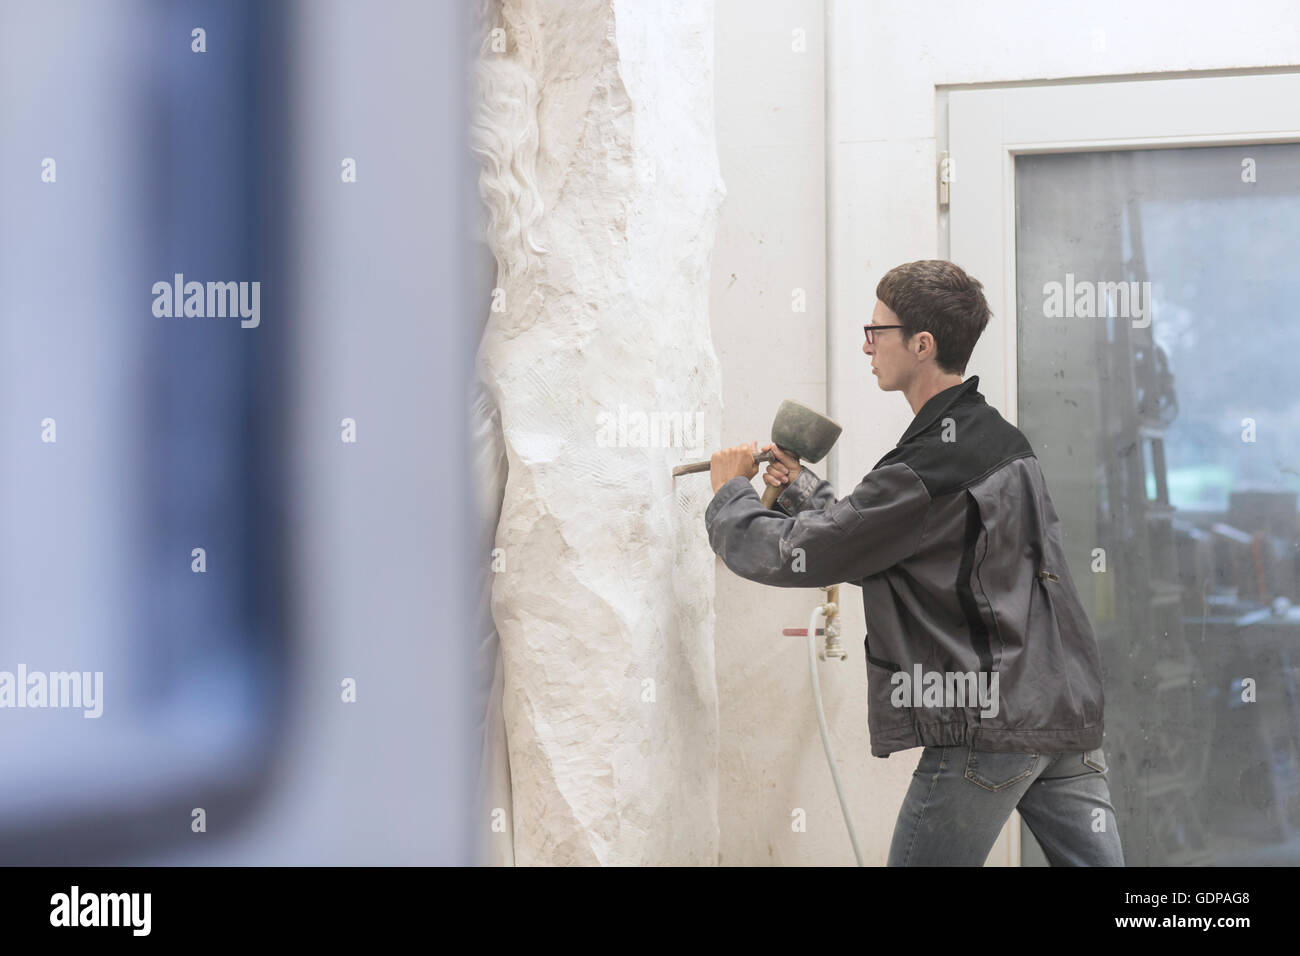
x: 798, y: 430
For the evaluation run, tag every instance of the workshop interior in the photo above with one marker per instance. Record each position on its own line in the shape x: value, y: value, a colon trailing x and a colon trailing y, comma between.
x: 412, y: 567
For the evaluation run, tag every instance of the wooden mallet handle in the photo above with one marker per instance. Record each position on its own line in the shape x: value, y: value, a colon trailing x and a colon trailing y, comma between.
x: 770, y: 493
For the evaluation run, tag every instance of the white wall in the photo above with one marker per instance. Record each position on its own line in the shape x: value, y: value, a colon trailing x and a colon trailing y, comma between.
x: 890, y: 63
x: 771, y: 242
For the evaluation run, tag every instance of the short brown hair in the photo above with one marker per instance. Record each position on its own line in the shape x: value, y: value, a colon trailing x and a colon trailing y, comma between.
x: 937, y: 296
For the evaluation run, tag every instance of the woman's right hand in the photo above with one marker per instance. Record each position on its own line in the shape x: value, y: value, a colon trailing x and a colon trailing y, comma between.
x: 783, y: 469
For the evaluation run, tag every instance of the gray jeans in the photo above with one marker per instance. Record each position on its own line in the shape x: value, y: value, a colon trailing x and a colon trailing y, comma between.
x: 959, y: 799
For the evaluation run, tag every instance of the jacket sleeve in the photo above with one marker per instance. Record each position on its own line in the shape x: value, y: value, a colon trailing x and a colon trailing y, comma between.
x: 806, y: 491
x: 874, y: 528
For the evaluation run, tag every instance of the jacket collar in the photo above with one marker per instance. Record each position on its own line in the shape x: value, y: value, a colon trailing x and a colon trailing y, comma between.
x: 933, y: 409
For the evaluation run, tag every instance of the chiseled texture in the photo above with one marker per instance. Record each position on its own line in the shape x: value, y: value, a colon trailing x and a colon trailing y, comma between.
x: 603, y: 233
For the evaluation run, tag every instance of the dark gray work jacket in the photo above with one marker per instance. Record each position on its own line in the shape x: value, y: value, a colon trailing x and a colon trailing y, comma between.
x: 957, y: 548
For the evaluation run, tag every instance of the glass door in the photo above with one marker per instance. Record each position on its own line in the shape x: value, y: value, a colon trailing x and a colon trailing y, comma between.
x: 1139, y: 242
x: 1157, y: 332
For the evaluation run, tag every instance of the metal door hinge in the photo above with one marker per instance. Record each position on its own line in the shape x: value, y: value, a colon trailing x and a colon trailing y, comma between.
x: 947, y: 176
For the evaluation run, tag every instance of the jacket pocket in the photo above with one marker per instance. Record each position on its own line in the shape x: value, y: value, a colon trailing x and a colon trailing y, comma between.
x: 1079, y: 659
x: 1095, y: 760
x: 883, y: 717
x: 1064, y: 602
x: 878, y: 661
x: 997, y: 771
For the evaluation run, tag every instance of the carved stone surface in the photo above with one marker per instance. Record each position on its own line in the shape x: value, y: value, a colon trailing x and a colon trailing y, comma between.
x: 594, y: 127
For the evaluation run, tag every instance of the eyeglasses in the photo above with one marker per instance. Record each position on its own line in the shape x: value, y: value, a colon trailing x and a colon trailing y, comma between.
x: 871, y: 331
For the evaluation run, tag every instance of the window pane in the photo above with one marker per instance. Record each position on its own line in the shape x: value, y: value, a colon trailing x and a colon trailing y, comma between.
x: 1156, y: 293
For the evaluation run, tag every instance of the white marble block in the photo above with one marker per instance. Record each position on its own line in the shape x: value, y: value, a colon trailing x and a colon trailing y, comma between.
x: 594, y: 128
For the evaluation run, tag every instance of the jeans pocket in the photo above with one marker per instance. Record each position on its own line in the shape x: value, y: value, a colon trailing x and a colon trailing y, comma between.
x: 1095, y: 759
x: 997, y: 771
